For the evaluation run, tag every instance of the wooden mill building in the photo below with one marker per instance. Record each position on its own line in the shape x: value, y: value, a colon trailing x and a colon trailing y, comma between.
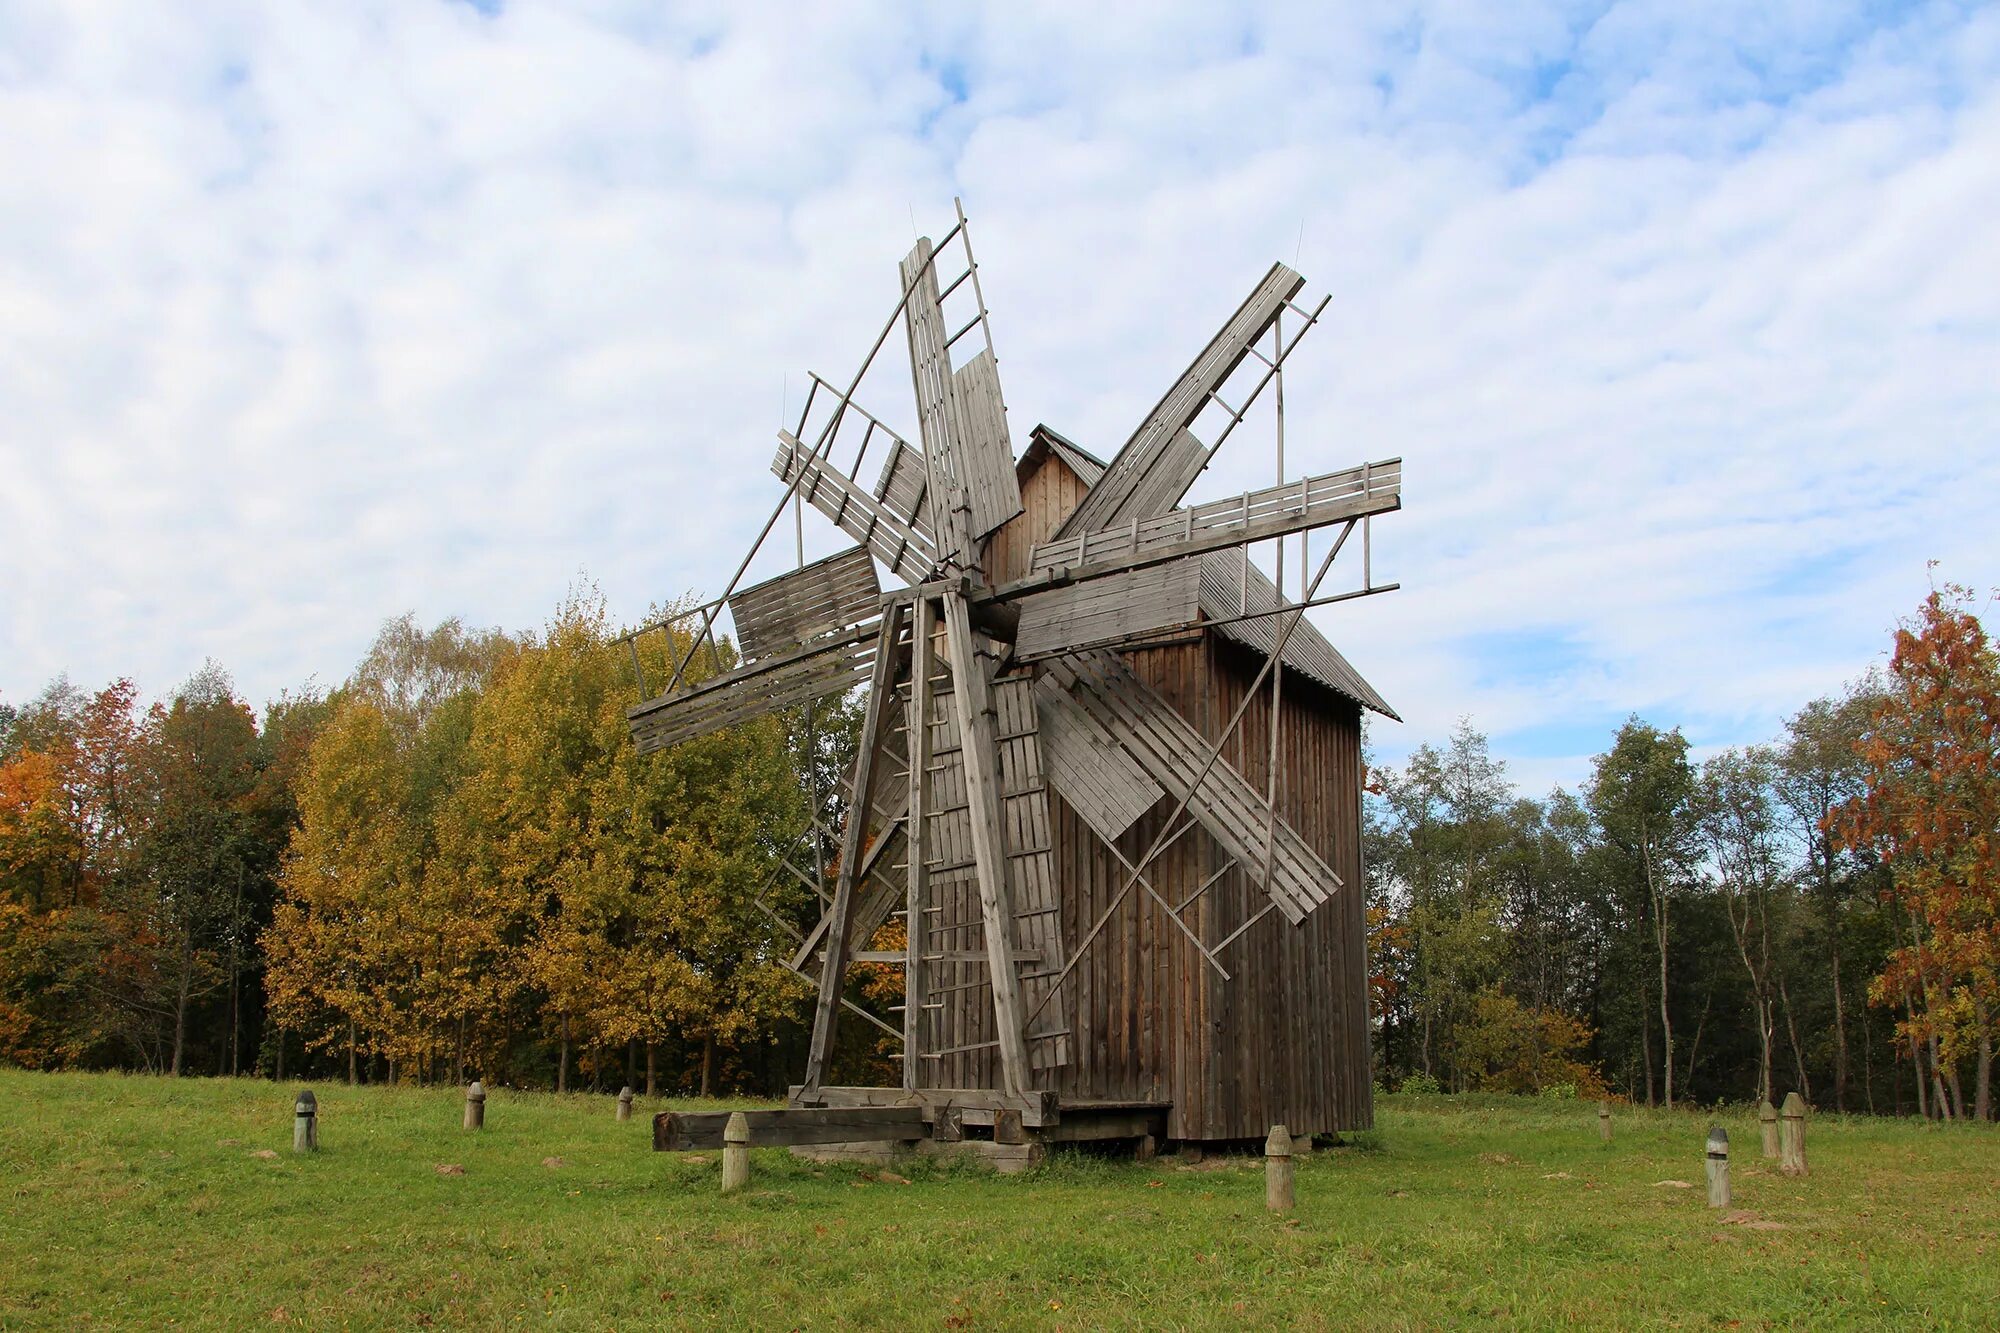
x: 1286, y: 1039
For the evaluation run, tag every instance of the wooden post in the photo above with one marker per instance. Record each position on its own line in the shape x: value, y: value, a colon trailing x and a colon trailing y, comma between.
x: 1604, y: 1120
x: 1718, y: 1167
x: 1767, y: 1126
x: 1279, y: 1194
x: 625, y: 1102
x: 1792, y: 1135
x: 1007, y: 1127
x: 735, y: 1153
x: 853, y: 840
x: 475, y: 1105
x: 1148, y: 1149
x: 949, y: 1127
x: 305, y: 1122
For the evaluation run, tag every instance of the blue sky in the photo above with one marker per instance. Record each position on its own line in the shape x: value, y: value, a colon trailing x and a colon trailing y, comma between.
x: 1685, y: 318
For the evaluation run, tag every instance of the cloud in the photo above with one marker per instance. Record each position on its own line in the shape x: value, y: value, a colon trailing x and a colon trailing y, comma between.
x: 1684, y: 318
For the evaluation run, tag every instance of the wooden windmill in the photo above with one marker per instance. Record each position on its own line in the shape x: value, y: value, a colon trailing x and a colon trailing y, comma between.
x: 1039, y: 784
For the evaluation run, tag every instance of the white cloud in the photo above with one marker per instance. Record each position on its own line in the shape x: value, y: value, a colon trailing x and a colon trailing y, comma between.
x: 1686, y: 321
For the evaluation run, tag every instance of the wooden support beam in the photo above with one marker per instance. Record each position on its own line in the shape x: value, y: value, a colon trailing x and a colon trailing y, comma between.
x: 833, y: 969
x: 680, y: 1131
x: 1132, y: 485
x: 973, y: 691
x: 917, y: 879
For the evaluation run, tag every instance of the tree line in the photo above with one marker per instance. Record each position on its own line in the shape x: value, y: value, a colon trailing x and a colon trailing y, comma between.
x: 454, y: 862
x: 1821, y: 912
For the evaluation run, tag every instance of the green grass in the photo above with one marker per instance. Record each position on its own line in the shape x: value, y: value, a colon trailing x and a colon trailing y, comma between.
x: 138, y: 1201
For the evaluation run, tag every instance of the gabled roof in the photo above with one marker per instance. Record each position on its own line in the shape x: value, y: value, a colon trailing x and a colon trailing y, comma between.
x: 1087, y: 466
x: 1307, y: 651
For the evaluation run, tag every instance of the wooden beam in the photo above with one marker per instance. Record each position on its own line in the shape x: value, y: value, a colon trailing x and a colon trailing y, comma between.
x: 917, y: 877
x: 1276, y: 511
x: 679, y: 1131
x: 854, y: 511
x: 833, y: 969
x: 1124, y: 493
x: 981, y: 748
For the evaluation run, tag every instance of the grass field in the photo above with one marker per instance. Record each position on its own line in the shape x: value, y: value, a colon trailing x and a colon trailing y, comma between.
x: 138, y: 1201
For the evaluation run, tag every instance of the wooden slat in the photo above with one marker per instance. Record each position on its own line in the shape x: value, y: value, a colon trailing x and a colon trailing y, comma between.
x: 833, y: 667
x: 782, y: 614
x: 833, y: 968
x: 1235, y: 814
x: 1294, y: 506
x: 986, y: 456
x: 679, y: 1131
x: 1137, y: 604
x: 905, y: 487
x: 938, y: 417
x: 1088, y: 768
x: 854, y: 511
x: 1124, y: 493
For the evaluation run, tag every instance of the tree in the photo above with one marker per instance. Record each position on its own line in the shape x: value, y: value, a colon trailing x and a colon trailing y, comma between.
x: 1446, y: 828
x: 1931, y: 810
x: 1640, y: 796
x: 196, y: 855
x: 1734, y: 813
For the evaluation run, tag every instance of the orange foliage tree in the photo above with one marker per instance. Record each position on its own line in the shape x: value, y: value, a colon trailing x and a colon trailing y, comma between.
x: 1931, y: 812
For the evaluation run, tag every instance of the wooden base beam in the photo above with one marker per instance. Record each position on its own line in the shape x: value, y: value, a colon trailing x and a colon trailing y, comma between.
x: 678, y: 1131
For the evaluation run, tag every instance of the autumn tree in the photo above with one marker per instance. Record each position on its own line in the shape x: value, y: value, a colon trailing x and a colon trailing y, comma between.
x: 1931, y: 811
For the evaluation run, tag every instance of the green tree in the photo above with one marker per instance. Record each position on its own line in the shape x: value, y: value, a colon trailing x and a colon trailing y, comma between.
x: 1641, y: 796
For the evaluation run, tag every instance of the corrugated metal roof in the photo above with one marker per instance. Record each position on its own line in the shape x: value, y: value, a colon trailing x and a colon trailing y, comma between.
x: 1307, y: 651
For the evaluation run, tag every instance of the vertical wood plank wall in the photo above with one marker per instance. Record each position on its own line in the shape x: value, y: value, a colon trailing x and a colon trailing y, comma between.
x: 1286, y: 1040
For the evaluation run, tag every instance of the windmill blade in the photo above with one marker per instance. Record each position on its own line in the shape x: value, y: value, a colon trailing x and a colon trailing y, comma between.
x: 784, y: 614
x: 963, y: 425
x: 832, y: 666
x: 1156, y: 466
x: 1107, y: 787
x: 1275, y: 511
x: 1235, y: 814
x: 905, y: 487
x: 1137, y: 605
x: 854, y: 511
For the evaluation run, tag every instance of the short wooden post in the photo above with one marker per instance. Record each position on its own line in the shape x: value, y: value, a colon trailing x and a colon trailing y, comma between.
x: 1604, y: 1120
x: 1280, y: 1196
x: 625, y: 1102
x: 1007, y: 1126
x: 1767, y: 1127
x: 305, y: 1122
x: 1718, y: 1167
x: 949, y: 1127
x: 1792, y: 1135
x: 1148, y: 1149
x: 735, y: 1153
x: 475, y: 1105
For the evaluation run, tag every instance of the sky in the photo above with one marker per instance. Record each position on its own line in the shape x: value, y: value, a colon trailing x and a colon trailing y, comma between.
x: 1684, y: 318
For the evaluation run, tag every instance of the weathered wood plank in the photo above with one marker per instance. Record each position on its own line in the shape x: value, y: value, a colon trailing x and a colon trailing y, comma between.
x: 832, y: 667
x: 1106, y: 787
x: 1276, y: 511
x: 833, y: 969
x: 904, y: 487
x: 986, y: 456
x: 680, y: 1131
x: 1162, y: 599
x: 782, y: 614
x: 854, y: 511
x: 1233, y: 812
